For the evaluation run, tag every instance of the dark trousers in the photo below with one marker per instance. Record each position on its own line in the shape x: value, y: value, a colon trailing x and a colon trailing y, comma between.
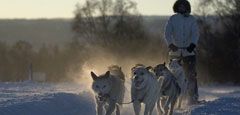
x: 189, y: 65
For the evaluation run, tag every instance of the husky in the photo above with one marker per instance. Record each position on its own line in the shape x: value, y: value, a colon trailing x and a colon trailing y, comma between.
x: 176, y: 68
x: 109, y: 90
x: 169, y: 89
x: 144, y: 89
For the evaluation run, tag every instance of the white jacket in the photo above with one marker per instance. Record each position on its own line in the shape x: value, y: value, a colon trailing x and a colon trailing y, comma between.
x: 181, y: 31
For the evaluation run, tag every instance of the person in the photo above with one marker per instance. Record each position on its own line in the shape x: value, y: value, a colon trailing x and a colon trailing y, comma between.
x: 182, y: 34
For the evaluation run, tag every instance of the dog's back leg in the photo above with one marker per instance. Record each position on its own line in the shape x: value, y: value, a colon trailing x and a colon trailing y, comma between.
x: 159, y: 108
x: 173, y: 101
x: 117, y: 109
x: 162, y: 103
x: 179, y: 101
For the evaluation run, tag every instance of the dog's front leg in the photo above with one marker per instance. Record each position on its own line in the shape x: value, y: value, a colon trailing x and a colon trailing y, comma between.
x: 151, y: 104
x: 136, y: 102
x: 149, y: 108
x: 137, y: 107
x: 111, y: 107
x: 100, y: 108
x: 170, y: 102
x: 172, y: 106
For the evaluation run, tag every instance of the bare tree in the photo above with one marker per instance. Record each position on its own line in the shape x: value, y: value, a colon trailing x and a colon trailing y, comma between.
x: 113, y: 24
x: 220, y: 37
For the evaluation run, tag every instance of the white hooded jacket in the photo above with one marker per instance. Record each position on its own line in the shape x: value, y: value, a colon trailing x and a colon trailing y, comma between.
x: 181, y: 31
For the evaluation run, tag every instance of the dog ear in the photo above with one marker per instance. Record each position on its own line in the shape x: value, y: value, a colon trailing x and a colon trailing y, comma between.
x: 94, y: 76
x: 107, y: 74
x: 149, y: 68
x: 164, y: 63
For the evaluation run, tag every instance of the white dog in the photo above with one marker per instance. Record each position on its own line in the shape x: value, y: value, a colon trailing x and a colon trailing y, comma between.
x: 176, y: 68
x: 144, y: 89
x: 109, y: 90
x: 169, y: 89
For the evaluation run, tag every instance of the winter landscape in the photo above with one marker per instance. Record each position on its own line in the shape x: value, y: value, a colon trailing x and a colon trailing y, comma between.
x: 29, y: 98
x: 49, y: 49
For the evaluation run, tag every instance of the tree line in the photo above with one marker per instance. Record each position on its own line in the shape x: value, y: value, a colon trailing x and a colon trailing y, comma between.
x: 116, y: 27
x: 219, y: 51
x: 55, y: 62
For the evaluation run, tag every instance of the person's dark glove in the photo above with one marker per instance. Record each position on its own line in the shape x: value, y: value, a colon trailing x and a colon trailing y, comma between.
x: 173, y: 47
x: 191, y: 47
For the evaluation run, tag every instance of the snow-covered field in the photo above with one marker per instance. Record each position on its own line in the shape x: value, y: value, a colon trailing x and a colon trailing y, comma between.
x: 29, y: 98
x: 45, y: 99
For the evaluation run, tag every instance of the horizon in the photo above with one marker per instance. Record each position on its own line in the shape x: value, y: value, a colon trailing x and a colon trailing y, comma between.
x: 61, y: 9
x: 68, y: 18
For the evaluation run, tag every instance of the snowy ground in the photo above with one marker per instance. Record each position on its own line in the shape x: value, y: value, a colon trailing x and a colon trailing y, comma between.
x: 28, y: 98
x: 45, y: 99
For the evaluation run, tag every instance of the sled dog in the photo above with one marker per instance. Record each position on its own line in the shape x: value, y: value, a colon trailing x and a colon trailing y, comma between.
x: 144, y: 89
x: 169, y: 89
x: 109, y: 90
x: 176, y: 68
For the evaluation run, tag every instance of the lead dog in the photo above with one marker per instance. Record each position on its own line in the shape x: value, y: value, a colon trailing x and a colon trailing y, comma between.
x: 169, y: 89
x: 176, y: 68
x: 144, y: 89
x: 109, y: 90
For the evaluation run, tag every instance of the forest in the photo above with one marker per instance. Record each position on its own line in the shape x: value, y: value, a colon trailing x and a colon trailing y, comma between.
x: 115, y: 30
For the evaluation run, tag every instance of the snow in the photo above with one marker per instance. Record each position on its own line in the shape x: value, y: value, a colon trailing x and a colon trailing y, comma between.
x: 28, y: 98
x: 222, y: 100
x: 221, y: 106
x: 45, y: 99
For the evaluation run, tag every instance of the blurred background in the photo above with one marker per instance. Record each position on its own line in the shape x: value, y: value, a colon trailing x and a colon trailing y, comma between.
x: 63, y: 40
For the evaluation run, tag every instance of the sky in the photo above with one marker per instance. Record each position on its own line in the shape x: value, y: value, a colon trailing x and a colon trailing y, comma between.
x: 32, y: 9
